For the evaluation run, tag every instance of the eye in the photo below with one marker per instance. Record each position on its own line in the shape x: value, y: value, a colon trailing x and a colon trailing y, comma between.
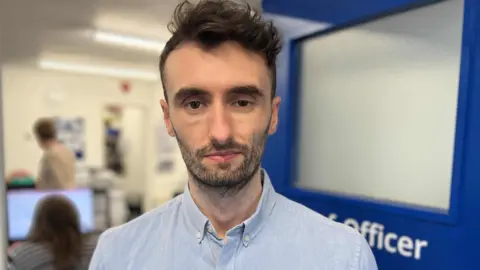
x: 242, y: 103
x: 194, y: 105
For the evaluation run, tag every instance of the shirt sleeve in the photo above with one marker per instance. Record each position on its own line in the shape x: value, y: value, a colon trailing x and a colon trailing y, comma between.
x: 100, y: 255
x: 46, y: 176
x: 11, y: 257
x: 41, y: 173
x: 50, y: 175
x: 55, y: 167
x: 366, y: 258
x: 10, y: 264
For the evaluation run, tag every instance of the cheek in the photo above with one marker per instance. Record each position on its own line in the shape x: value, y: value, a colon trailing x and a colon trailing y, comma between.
x: 192, y: 131
x: 247, y: 128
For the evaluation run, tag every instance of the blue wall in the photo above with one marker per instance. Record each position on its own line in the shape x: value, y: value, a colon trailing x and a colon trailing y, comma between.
x: 452, y: 237
x: 334, y: 11
x: 291, y: 28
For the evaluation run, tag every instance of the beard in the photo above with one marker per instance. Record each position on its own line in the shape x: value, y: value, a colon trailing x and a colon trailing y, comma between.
x: 224, y: 177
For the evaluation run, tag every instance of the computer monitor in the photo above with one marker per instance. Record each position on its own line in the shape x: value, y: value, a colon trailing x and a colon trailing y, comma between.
x: 21, y: 205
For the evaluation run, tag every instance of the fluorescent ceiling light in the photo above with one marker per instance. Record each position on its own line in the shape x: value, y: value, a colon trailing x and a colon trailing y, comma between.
x: 99, y: 70
x: 128, y: 41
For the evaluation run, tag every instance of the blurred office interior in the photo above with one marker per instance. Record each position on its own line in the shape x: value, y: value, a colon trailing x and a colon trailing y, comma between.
x: 380, y: 130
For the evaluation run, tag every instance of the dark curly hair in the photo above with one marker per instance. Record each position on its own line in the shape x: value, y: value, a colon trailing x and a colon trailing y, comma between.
x: 213, y: 22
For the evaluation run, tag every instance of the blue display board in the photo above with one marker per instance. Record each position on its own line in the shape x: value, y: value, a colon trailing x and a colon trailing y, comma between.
x: 401, y: 237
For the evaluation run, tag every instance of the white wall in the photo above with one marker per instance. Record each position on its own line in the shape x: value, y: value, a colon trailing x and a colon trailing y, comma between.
x: 133, y: 140
x: 378, y: 107
x: 26, y: 98
x: 164, y: 183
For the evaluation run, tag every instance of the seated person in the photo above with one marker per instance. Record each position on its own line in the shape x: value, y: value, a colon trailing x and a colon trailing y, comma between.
x: 55, y: 240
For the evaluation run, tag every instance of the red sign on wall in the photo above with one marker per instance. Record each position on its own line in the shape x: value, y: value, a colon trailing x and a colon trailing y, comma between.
x: 125, y: 87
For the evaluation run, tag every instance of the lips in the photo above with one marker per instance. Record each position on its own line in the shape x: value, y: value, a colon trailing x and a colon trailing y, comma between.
x: 222, y: 156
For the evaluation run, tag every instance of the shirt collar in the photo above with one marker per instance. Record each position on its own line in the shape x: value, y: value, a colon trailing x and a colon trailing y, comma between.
x: 196, y: 222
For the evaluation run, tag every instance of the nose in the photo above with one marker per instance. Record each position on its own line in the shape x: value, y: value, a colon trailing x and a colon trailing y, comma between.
x: 220, y: 123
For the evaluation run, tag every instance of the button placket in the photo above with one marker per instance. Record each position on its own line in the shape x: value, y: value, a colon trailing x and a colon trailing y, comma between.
x: 198, y: 235
x: 246, y: 239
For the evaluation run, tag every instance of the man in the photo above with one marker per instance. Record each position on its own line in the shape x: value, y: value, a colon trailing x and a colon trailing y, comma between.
x: 218, y: 73
x: 57, y: 166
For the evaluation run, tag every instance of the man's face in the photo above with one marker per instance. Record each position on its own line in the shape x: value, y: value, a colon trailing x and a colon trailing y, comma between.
x: 220, y: 110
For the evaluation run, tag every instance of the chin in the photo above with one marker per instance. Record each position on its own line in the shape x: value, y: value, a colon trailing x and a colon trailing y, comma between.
x: 224, y: 183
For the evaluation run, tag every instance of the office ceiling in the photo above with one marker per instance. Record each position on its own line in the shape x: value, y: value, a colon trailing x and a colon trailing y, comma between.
x: 30, y: 30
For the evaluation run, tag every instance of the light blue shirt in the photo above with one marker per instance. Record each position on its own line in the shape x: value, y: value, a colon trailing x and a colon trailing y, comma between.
x: 281, y: 234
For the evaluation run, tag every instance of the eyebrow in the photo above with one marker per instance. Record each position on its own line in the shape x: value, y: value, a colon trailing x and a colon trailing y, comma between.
x: 248, y: 90
x: 185, y: 92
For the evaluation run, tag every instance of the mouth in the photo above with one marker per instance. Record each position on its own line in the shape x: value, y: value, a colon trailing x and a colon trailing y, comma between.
x: 222, y: 156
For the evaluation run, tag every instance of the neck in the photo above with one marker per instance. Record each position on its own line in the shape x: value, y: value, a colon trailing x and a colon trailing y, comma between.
x: 225, y: 211
x: 49, y: 144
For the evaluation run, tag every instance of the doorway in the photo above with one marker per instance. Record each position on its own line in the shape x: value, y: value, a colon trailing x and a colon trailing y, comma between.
x: 125, y: 146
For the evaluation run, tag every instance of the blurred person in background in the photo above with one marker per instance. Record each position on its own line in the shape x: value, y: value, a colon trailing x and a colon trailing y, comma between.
x: 57, y: 166
x: 55, y: 241
x: 218, y: 72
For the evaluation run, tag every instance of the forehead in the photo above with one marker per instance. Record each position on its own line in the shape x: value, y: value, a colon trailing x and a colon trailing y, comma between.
x: 217, y: 69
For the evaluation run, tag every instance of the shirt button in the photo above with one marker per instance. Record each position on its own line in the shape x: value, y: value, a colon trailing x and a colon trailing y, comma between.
x: 210, y: 229
x: 247, y: 238
x: 199, y: 235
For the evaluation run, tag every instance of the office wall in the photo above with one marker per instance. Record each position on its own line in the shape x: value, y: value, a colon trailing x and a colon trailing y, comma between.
x: 164, y: 148
x: 32, y: 93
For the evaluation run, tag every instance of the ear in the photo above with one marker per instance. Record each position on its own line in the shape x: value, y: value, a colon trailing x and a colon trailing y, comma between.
x: 166, y: 117
x: 274, y: 118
